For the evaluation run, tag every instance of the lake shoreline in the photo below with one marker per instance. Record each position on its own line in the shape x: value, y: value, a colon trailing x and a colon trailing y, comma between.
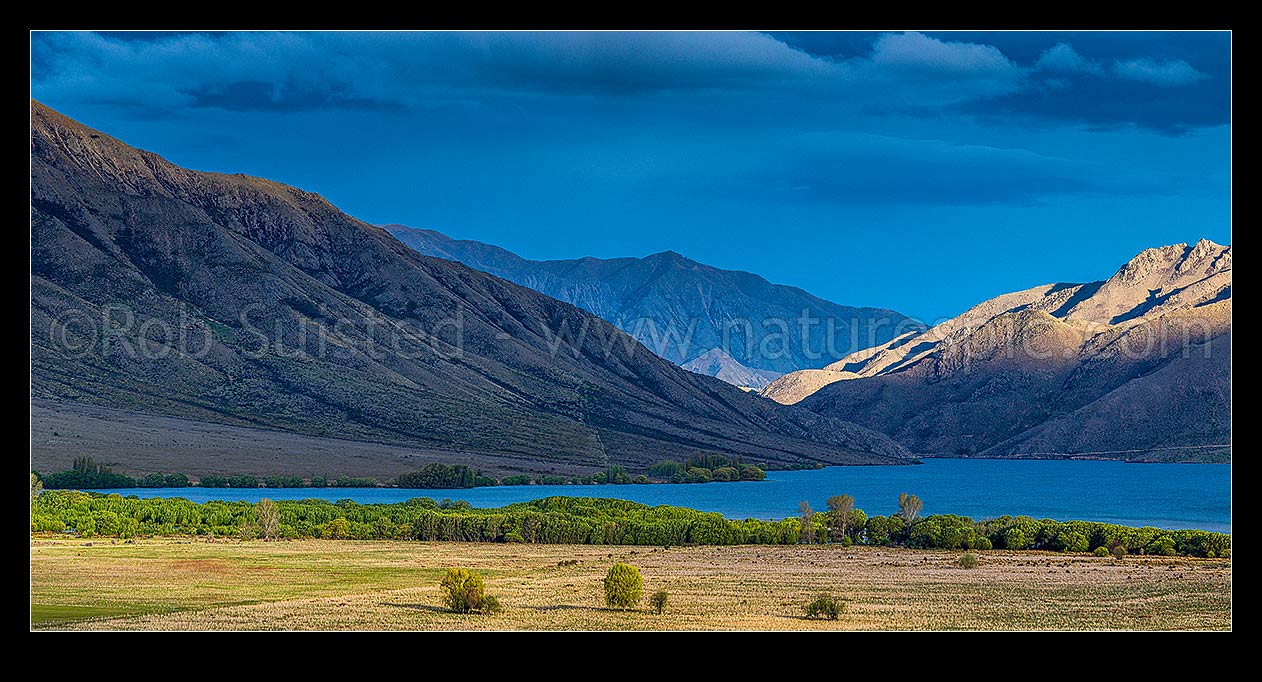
x: 1161, y: 495
x: 1209, y: 459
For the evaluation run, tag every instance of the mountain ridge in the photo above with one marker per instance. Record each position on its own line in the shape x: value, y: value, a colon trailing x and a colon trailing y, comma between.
x: 258, y: 304
x: 683, y: 309
x: 1035, y: 370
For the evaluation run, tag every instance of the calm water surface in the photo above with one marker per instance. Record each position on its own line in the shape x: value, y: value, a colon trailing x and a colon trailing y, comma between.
x: 1163, y: 495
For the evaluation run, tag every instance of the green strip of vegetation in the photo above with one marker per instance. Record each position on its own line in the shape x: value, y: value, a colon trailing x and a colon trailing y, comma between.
x: 87, y: 474
x: 583, y: 520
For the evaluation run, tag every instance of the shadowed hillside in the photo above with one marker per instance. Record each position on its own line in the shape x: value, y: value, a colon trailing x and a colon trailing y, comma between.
x: 237, y: 300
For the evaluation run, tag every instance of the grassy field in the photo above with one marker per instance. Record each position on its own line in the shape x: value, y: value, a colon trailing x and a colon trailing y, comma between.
x: 330, y: 584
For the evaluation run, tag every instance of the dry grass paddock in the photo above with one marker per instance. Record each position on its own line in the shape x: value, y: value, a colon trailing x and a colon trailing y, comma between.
x: 179, y: 584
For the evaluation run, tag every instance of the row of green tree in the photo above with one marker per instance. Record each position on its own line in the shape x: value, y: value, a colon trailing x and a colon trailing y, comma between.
x: 705, y: 467
x: 843, y: 523
x: 581, y: 520
x: 87, y: 474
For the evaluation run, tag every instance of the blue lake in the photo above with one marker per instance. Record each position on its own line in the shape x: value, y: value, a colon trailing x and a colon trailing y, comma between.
x: 1163, y: 495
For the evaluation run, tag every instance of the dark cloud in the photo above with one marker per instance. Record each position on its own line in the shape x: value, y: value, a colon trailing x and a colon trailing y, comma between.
x: 249, y: 70
x: 1170, y: 82
x: 1102, y: 103
x: 878, y: 170
x: 288, y: 70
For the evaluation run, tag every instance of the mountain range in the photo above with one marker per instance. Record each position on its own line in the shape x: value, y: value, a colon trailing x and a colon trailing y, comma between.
x: 1137, y: 366
x: 215, y: 299
x: 730, y: 324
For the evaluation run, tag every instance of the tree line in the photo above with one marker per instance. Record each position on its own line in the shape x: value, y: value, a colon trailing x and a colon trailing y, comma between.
x: 843, y: 523
x: 87, y: 474
x: 599, y: 521
x: 706, y: 467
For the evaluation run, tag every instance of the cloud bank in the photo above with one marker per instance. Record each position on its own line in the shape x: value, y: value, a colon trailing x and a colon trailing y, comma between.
x: 1171, y: 73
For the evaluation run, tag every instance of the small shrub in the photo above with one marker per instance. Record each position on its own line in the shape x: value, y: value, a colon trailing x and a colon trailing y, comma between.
x: 825, y: 606
x: 969, y: 560
x: 465, y: 592
x: 983, y: 543
x: 567, y: 562
x: 1118, y: 551
x: 623, y: 586
x: 1101, y: 551
x: 658, y: 601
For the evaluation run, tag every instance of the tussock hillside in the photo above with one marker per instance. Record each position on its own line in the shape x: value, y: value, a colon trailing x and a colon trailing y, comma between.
x: 237, y: 300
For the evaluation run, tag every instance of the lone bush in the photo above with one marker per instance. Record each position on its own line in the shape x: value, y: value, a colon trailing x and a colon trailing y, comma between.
x: 1118, y: 551
x: 825, y: 606
x: 623, y: 586
x: 1101, y: 551
x: 968, y: 560
x: 658, y: 601
x: 464, y: 592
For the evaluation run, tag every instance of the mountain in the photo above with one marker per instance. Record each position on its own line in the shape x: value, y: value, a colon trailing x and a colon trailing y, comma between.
x: 684, y: 310
x: 718, y: 364
x: 1137, y: 366
x: 234, y: 300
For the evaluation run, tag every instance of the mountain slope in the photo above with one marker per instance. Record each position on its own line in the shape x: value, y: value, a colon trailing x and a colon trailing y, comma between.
x: 718, y: 364
x: 1137, y: 366
x: 237, y: 300
x: 683, y: 310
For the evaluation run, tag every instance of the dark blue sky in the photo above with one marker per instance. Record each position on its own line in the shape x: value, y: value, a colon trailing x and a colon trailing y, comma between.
x: 920, y: 172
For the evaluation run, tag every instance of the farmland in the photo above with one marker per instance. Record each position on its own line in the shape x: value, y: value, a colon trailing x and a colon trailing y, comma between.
x: 181, y: 584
